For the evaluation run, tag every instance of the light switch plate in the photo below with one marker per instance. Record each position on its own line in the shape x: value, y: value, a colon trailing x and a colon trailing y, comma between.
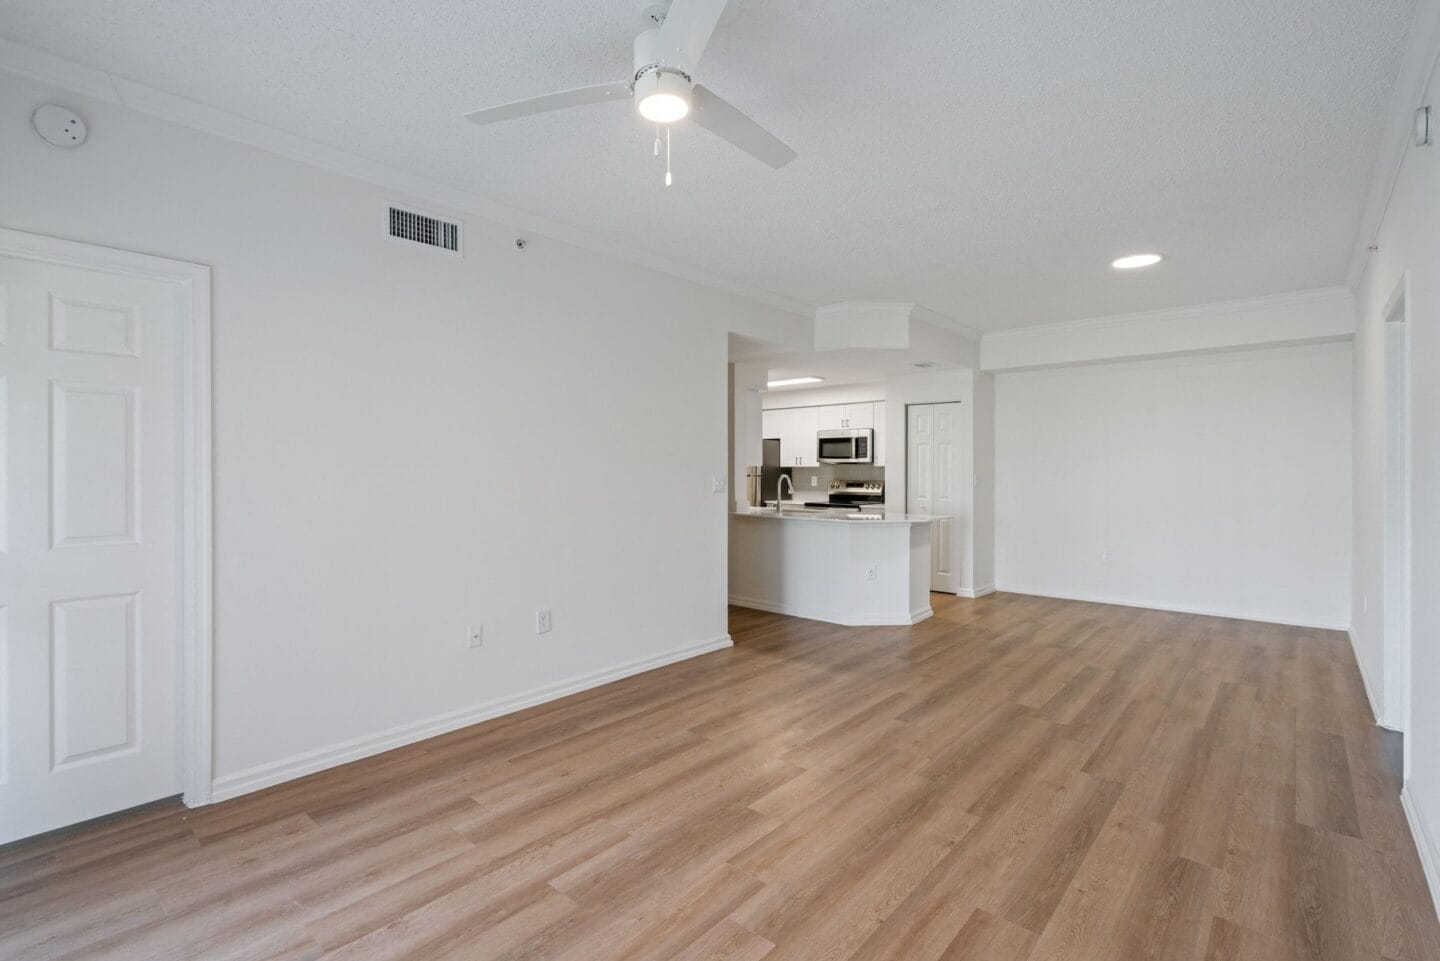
x: 477, y: 635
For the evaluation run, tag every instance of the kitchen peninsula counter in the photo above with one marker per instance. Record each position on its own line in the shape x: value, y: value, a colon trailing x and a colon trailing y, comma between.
x: 832, y: 566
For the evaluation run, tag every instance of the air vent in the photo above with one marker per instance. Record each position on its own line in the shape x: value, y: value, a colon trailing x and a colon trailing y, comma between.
x: 424, y: 229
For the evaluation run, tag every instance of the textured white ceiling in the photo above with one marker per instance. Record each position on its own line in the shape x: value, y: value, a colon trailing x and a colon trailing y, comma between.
x: 986, y: 159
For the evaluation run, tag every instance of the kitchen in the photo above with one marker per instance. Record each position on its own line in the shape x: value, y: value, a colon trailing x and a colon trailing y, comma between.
x: 813, y: 536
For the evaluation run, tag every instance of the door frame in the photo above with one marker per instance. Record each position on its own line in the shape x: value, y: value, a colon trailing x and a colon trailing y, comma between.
x: 196, y: 547
x: 1396, y: 644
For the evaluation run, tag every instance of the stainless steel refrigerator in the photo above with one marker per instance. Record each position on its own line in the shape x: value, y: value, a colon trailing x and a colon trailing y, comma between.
x: 769, y: 468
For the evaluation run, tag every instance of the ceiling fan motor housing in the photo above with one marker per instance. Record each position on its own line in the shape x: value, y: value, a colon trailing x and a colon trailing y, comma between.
x: 652, y: 55
x: 658, y: 70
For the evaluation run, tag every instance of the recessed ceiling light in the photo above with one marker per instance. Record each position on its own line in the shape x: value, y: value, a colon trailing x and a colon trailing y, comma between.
x: 794, y: 381
x: 1136, y: 260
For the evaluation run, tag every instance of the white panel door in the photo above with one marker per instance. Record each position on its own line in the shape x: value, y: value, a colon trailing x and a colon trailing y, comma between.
x: 89, y: 649
x: 932, y: 479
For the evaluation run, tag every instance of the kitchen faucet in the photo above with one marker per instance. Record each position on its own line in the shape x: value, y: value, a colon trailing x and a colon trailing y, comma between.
x: 784, y: 479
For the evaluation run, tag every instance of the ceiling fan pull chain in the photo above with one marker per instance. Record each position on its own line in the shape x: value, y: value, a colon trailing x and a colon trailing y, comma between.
x: 668, y: 180
x: 657, y: 140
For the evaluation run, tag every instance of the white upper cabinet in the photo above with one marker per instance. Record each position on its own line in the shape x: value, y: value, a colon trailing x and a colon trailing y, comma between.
x: 779, y: 423
x: 796, y: 428
x: 807, y: 425
x: 846, y: 416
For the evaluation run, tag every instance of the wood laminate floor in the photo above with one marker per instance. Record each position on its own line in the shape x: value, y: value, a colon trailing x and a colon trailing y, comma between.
x: 1016, y: 778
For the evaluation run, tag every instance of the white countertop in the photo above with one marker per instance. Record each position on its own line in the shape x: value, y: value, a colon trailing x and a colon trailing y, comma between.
x: 850, y: 518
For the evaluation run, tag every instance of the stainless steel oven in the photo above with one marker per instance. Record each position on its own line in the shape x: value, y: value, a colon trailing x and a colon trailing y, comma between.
x: 846, y: 446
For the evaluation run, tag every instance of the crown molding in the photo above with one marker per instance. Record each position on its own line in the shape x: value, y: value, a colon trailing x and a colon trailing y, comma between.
x: 1302, y: 317
x: 1417, y: 66
x: 851, y: 309
x: 894, y: 310
x: 23, y: 61
x: 1296, y: 298
x: 936, y: 319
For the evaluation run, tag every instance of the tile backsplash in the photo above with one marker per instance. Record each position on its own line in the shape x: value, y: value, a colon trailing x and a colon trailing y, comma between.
x: 825, y: 473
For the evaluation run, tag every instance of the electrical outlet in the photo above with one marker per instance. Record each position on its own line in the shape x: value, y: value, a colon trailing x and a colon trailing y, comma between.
x: 477, y: 635
x: 1104, y: 557
x: 542, y: 621
x: 814, y: 481
x: 872, y: 572
x: 717, y: 485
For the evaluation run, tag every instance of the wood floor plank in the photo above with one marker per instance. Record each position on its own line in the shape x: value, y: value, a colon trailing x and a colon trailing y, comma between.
x: 988, y: 938
x: 1015, y: 779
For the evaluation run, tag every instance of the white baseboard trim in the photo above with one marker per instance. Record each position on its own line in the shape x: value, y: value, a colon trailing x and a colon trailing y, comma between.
x: 830, y: 616
x: 309, y: 762
x: 975, y: 592
x: 1266, y: 617
x: 1425, y: 843
x: 1365, y: 679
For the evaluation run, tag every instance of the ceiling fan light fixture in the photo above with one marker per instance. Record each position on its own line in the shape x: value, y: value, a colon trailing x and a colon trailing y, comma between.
x: 663, y: 108
x: 662, y: 96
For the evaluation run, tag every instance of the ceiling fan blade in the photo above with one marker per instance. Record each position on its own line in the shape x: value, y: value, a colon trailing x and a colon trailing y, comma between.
x: 620, y: 90
x: 723, y: 120
x: 686, y: 31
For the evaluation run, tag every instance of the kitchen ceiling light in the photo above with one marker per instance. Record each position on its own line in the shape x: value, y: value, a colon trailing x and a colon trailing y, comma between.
x: 1136, y: 260
x: 794, y: 381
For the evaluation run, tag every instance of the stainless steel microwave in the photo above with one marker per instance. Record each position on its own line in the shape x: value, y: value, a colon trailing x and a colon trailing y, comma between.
x: 846, y: 447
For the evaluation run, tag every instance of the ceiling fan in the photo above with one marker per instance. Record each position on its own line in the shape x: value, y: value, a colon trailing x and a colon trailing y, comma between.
x: 663, y: 87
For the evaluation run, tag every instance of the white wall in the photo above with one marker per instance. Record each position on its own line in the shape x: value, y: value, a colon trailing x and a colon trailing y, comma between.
x: 983, y: 504
x: 747, y: 381
x: 400, y: 437
x: 1218, y: 484
x: 1408, y: 239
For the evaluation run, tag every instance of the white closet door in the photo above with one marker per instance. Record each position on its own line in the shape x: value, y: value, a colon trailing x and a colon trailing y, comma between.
x: 88, y: 626
x: 932, y: 479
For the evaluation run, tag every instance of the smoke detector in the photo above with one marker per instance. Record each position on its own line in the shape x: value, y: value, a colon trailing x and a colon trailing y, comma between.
x: 59, y: 126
